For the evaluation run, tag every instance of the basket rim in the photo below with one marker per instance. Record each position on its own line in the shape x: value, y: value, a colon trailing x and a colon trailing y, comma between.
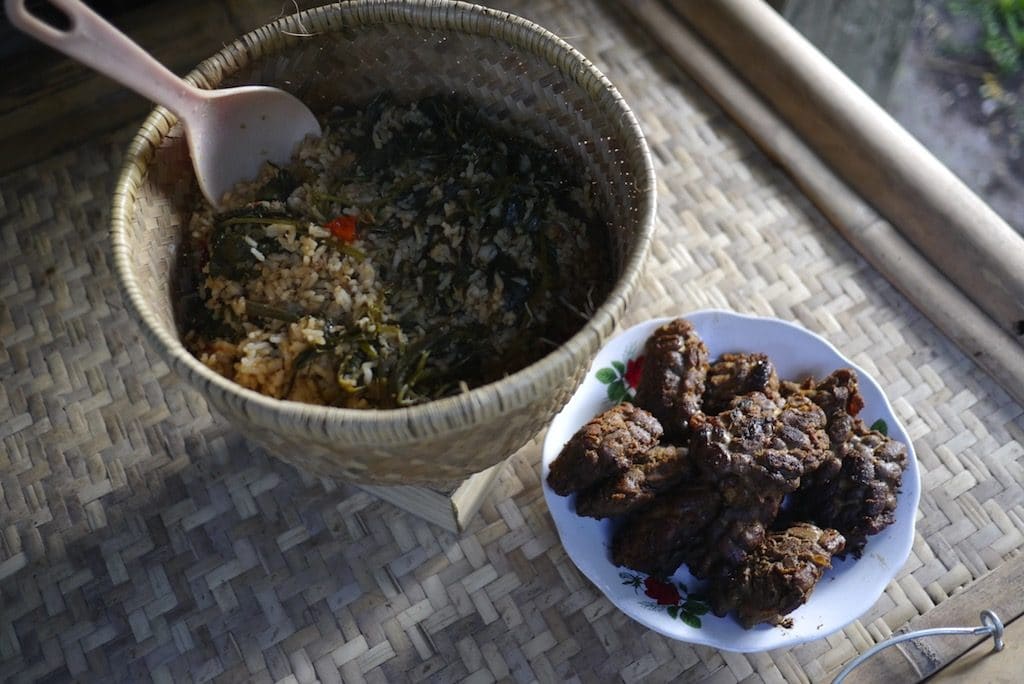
x: 389, y: 427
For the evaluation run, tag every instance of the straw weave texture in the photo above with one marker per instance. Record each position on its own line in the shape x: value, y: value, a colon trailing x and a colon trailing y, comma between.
x: 142, y: 538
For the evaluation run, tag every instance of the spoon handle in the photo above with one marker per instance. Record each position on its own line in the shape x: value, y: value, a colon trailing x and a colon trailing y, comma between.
x: 94, y: 42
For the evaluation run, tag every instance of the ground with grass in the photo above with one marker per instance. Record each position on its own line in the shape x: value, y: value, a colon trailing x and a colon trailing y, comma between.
x: 959, y: 87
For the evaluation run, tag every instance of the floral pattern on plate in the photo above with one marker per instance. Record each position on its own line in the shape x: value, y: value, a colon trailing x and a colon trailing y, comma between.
x: 621, y: 378
x: 672, y: 597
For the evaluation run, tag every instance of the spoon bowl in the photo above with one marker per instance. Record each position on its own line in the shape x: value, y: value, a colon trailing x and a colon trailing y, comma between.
x: 237, y: 130
x: 231, y: 132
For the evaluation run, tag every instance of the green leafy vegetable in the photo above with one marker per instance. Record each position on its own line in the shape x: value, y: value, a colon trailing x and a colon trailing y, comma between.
x: 279, y: 187
x: 288, y: 314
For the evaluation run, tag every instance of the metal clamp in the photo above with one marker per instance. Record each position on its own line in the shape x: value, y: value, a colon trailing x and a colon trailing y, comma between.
x: 990, y: 625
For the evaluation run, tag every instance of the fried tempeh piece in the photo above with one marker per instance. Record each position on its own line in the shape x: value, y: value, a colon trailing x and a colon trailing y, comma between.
x: 655, y: 471
x: 779, y: 576
x: 672, y: 382
x: 760, y: 446
x: 838, y: 395
x: 735, y: 375
x: 658, y: 539
x: 755, y: 453
x: 861, y: 499
x: 729, y: 538
x: 605, y: 446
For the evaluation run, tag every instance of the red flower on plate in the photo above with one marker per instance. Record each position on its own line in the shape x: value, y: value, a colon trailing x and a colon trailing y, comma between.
x: 634, y: 369
x: 664, y: 593
x: 676, y: 599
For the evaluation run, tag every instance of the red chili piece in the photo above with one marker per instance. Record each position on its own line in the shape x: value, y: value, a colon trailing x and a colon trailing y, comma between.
x: 343, y: 228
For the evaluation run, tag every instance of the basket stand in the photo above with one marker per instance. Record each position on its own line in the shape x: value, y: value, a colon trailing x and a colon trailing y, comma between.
x: 450, y: 507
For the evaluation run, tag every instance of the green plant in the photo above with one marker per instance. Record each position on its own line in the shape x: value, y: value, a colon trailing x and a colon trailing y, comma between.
x: 1002, y: 24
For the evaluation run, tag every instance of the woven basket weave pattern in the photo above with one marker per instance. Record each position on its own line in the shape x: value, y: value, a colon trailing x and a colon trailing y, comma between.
x: 523, y: 80
x: 144, y: 538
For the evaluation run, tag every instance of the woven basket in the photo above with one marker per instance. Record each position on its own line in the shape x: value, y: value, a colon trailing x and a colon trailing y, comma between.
x: 520, y: 76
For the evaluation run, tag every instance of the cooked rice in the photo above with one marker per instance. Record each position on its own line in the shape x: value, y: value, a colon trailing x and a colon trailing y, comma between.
x: 410, y: 253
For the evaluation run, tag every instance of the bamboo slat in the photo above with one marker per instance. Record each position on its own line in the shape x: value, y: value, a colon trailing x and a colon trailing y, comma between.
x: 977, y: 335
x: 954, y: 228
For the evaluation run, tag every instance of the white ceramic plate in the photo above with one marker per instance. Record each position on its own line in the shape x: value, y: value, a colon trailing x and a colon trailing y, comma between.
x: 846, y: 591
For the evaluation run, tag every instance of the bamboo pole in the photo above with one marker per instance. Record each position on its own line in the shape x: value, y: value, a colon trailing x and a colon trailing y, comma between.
x: 954, y: 228
x: 878, y: 241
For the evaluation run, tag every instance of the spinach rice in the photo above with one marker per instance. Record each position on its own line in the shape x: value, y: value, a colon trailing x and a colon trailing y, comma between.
x: 412, y: 252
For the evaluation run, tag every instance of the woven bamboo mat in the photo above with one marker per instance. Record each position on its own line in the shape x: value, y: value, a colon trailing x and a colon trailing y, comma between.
x: 141, y: 538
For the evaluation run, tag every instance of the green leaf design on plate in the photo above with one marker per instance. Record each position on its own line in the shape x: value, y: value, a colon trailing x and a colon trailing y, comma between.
x: 619, y: 366
x: 631, y: 580
x: 606, y: 375
x: 696, y: 607
x: 690, y: 619
x: 617, y: 391
x: 881, y: 426
x: 673, y: 611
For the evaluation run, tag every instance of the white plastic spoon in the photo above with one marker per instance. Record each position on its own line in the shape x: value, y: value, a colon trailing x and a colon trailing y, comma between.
x: 231, y: 132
